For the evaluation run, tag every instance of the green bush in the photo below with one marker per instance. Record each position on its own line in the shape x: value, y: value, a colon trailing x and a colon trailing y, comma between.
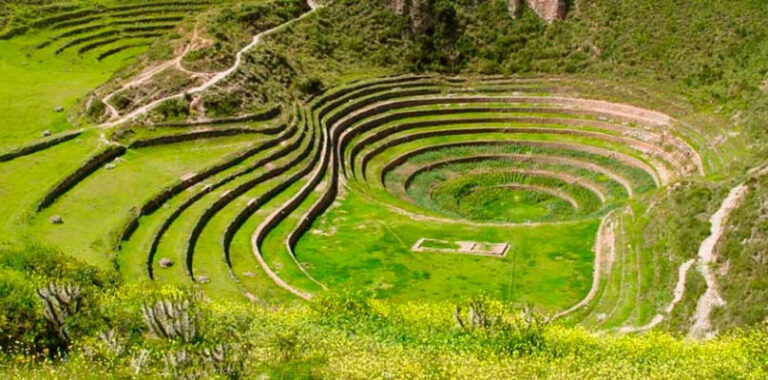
x: 23, y: 326
x: 311, y: 85
x: 173, y: 109
x: 222, y: 105
x: 121, y: 102
x: 96, y: 109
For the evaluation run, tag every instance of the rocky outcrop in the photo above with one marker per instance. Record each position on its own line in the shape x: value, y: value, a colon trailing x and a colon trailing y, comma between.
x: 548, y: 10
x: 418, y: 11
x: 421, y: 15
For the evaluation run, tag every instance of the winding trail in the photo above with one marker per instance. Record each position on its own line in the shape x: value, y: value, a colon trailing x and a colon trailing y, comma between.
x: 678, y: 293
x: 603, y: 260
x: 701, y: 327
x: 217, y: 77
x: 195, y: 42
x: 701, y: 324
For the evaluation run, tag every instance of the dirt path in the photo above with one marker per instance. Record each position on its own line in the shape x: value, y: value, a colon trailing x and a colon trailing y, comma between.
x: 603, y: 260
x: 706, y: 256
x: 217, y: 76
x: 679, y: 292
x: 195, y: 43
x: 147, y: 74
x: 701, y: 324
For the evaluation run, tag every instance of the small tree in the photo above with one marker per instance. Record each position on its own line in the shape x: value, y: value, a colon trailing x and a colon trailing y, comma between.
x: 311, y: 85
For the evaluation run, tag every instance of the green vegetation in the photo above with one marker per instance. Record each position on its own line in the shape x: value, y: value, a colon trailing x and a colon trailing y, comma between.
x: 547, y: 266
x: 382, y: 189
x: 111, y: 336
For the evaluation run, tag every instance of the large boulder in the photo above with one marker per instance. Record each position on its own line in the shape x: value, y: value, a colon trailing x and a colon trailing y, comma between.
x: 203, y: 279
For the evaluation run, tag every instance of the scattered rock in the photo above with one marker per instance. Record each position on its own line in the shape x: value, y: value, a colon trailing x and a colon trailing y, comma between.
x: 515, y: 8
x: 724, y: 268
x: 251, y: 297
x: 203, y: 279
x: 46, y: 133
x: 549, y: 10
x: 109, y: 166
x: 249, y: 274
x: 59, y: 109
x: 165, y: 262
x: 56, y: 219
x: 400, y: 6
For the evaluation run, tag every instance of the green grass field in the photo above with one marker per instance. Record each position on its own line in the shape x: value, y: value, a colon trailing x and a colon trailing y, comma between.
x: 362, y: 245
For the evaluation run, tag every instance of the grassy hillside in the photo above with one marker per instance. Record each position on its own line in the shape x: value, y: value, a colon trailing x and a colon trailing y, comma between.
x: 291, y: 189
x: 706, y: 54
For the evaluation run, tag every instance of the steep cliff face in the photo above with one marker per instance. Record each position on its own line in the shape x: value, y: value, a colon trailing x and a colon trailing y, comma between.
x: 548, y: 10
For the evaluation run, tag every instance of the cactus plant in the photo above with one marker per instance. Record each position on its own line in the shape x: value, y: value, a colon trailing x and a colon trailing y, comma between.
x: 60, y: 303
x: 172, y: 319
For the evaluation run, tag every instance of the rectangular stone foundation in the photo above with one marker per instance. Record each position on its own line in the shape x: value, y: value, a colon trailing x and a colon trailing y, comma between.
x: 461, y: 247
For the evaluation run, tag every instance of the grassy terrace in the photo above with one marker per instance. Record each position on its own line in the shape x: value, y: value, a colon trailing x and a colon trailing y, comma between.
x: 96, y: 33
x: 639, y: 180
x: 565, y: 166
x: 336, y: 192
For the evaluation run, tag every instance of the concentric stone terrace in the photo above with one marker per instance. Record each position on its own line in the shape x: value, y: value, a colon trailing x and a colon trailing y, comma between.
x: 103, y: 31
x: 462, y: 164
